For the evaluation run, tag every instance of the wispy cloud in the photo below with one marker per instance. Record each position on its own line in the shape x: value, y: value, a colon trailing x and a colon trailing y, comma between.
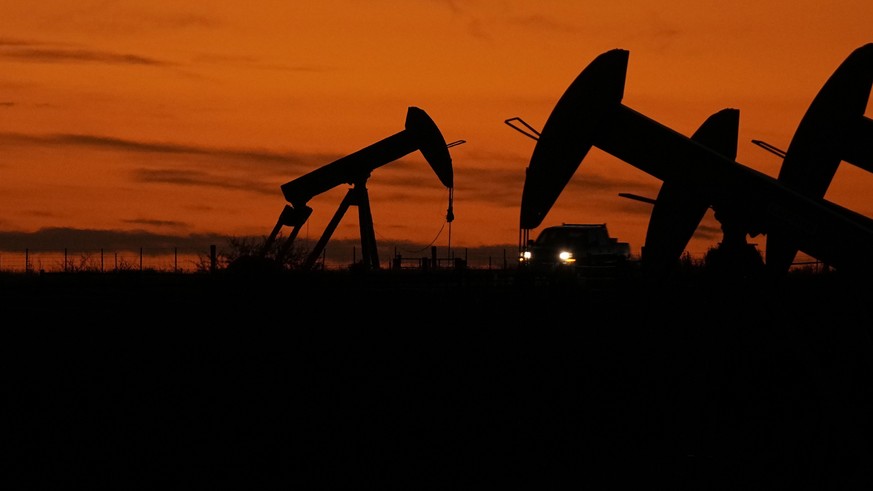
x: 257, y: 64
x: 288, y: 161
x: 78, y: 55
x: 38, y: 52
x: 453, y: 5
x: 158, y: 223
x: 111, y: 17
x: 179, y: 21
x: 539, y: 22
x: 202, y: 179
x: 15, y: 43
x: 601, y: 182
x: 478, y: 29
x: 61, y: 238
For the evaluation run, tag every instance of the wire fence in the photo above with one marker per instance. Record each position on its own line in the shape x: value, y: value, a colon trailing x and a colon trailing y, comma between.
x: 186, y: 260
x: 177, y: 260
x: 168, y: 260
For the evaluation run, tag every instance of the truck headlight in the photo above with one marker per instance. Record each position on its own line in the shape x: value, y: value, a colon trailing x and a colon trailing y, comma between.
x: 566, y: 257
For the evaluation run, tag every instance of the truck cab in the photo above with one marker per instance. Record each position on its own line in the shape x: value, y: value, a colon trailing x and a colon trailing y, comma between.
x: 574, y: 246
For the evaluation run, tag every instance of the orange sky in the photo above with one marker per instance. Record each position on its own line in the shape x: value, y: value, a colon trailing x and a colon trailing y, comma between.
x: 176, y: 118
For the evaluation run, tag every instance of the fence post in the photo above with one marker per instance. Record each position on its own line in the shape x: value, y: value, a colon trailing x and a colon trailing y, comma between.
x: 212, y: 258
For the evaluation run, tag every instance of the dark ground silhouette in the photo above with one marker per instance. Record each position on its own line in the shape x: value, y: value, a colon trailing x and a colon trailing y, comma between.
x: 455, y: 380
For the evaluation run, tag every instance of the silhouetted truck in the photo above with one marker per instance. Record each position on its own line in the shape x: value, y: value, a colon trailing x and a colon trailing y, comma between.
x: 575, y: 246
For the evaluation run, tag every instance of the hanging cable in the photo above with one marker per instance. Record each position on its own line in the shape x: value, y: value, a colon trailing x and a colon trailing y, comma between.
x: 450, y: 216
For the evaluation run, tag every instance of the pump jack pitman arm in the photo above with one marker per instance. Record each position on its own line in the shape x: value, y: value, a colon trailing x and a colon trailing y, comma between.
x: 420, y: 133
x: 590, y: 113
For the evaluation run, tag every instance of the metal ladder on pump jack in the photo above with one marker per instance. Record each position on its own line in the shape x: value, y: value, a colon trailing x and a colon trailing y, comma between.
x: 530, y: 132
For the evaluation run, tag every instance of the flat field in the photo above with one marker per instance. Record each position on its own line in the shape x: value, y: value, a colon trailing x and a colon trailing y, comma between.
x: 438, y: 380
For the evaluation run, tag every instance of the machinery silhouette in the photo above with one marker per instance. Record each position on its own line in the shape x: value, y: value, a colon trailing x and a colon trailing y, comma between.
x: 833, y: 130
x: 420, y: 133
x: 677, y: 211
x: 699, y: 172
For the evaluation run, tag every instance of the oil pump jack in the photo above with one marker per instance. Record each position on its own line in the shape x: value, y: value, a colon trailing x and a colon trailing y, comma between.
x: 698, y: 172
x: 420, y: 133
x: 833, y: 130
